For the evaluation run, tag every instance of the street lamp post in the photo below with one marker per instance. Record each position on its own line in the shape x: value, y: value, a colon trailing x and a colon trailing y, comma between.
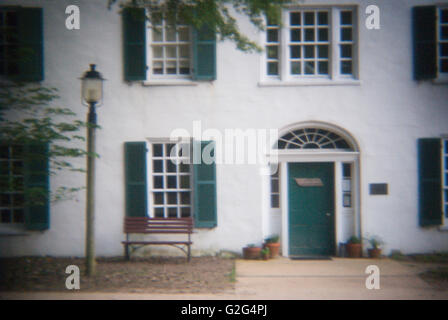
x: 92, y: 96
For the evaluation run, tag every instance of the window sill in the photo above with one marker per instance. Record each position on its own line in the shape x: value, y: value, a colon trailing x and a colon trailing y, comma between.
x: 7, y: 231
x: 169, y: 83
x: 310, y: 82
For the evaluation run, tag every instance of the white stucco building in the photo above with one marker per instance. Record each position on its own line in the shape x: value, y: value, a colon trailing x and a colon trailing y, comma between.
x: 363, y: 112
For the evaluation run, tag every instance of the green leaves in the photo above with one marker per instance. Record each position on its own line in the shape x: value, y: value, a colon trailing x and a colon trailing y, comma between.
x: 214, y: 13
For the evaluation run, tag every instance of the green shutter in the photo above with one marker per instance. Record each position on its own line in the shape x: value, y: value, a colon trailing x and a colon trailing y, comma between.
x: 204, y: 54
x: 30, y: 29
x: 136, y: 190
x: 204, y: 180
x: 134, y: 42
x: 429, y: 173
x: 425, y: 42
x: 37, y: 208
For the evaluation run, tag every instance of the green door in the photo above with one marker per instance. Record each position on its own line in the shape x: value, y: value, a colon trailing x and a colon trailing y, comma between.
x: 311, y: 209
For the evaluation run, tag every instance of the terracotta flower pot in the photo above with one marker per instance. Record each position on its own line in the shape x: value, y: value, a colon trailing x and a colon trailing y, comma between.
x: 274, y: 248
x: 251, y: 253
x: 374, y: 253
x: 354, y: 250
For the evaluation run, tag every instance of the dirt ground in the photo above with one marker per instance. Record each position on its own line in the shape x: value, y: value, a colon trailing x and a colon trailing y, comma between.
x: 149, y: 275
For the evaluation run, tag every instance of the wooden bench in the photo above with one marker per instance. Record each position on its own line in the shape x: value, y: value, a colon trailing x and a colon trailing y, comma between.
x: 144, y: 225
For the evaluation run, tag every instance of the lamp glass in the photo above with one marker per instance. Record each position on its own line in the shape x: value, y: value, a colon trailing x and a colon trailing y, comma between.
x: 92, y: 90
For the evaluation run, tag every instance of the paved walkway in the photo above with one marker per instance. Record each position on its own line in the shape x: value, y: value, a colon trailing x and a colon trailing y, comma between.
x: 294, y: 279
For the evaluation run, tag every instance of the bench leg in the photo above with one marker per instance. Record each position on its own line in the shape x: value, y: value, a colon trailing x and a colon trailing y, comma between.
x: 126, y: 251
x: 189, y: 253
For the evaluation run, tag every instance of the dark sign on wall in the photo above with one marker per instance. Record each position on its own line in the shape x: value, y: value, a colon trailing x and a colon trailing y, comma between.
x: 378, y: 189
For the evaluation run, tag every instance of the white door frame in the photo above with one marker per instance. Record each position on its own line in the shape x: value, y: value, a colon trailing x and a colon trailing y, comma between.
x: 338, y: 157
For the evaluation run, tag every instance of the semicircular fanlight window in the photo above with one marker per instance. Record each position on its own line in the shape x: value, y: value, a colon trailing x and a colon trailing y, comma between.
x: 312, y: 138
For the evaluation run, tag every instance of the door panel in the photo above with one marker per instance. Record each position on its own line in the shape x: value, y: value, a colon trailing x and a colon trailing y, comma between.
x: 311, y: 209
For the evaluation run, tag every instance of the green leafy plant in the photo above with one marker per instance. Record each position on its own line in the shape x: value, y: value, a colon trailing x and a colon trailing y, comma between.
x: 215, y: 14
x: 265, y: 251
x: 375, y: 242
x: 272, y: 239
x: 354, y: 240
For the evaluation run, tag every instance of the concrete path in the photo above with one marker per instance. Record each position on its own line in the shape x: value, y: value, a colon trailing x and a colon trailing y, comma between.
x: 294, y: 279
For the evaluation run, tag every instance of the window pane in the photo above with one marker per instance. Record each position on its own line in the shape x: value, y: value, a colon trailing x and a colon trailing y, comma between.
x: 322, y: 51
x: 444, y: 65
x: 272, y: 35
x: 184, y: 67
x: 171, y: 52
x: 169, y: 152
x: 172, y: 182
x: 272, y: 68
x: 346, y: 17
x: 295, y: 35
x: 170, y: 166
x: 272, y: 52
x: 444, y: 16
x: 346, y: 170
x: 157, y: 166
x: 323, y: 67
x: 309, y: 51
x: 158, y: 182
x: 172, y: 197
x: 444, y: 33
x: 157, y: 35
x: 294, y: 18
x: 274, y: 185
x: 346, y: 51
x: 346, y: 67
x: 309, y: 34
x: 184, y: 51
x: 158, y: 212
x: 19, y: 216
x: 309, y: 67
x: 295, y: 52
x: 322, y: 18
x: 157, y: 67
x: 5, y: 216
x: 444, y: 49
x: 323, y: 34
x: 170, y: 34
x: 157, y: 52
x: 295, y: 68
x: 346, y: 34
x: 184, y: 34
x: 172, y: 212
x: 158, y: 198
x: 185, y: 198
x: 171, y: 67
x: 275, y: 203
x: 5, y: 200
x: 184, y: 167
x: 185, y: 182
x: 309, y: 18
x: 157, y: 150
x: 185, y: 212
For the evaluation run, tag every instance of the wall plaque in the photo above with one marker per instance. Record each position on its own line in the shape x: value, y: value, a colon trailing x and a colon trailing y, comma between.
x: 309, y: 182
x: 378, y: 188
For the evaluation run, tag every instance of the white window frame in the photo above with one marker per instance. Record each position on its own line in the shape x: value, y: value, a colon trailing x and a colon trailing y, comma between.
x: 150, y: 174
x: 440, y: 75
x: 334, y: 57
x: 444, y: 191
x: 149, y: 56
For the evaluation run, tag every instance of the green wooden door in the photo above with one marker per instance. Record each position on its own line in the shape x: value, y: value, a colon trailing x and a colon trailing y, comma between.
x: 311, y: 209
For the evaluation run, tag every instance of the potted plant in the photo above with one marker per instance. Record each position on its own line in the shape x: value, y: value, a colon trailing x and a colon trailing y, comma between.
x: 265, y: 253
x: 375, y: 250
x: 251, y: 252
x: 354, y: 248
x: 273, y: 244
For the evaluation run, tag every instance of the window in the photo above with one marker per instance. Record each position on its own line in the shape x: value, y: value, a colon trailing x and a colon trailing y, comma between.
x: 445, y: 180
x: 164, y: 53
x: 8, y: 43
x: 442, y: 41
x: 12, y: 185
x: 347, y: 185
x: 312, y: 138
x: 275, y: 189
x: 170, y: 51
x: 312, y: 44
x: 180, y: 185
x: 21, y: 43
x: 171, y: 180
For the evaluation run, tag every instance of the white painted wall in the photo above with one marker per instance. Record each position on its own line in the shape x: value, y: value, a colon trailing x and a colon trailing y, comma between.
x: 386, y: 113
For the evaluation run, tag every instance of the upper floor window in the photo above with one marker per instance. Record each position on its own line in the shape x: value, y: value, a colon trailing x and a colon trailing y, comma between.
x: 8, y: 42
x: 442, y: 41
x: 313, y: 43
x: 170, y: 51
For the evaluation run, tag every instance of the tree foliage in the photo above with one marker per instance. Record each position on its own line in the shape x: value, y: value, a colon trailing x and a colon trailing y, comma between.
x: 215, y: 14
x: 28, y: 115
